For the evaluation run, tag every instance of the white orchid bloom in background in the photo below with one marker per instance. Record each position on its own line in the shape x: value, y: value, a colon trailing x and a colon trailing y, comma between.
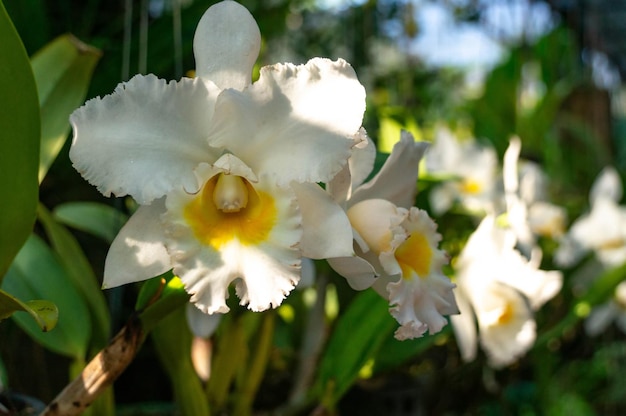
x: 501, y: 288
x: 527, y: 214
x: 394, y: 240
x: 602, y: 230
x: 225, y: 170
x: 469, y: 169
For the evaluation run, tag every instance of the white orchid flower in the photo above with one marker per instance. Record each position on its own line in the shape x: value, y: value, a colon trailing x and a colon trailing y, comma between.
x: 528, y: 214
x: 394, y: 240
x: 602, y: 230
x: 501, y: 288
x: 469, y: 169
x: 225, y: 170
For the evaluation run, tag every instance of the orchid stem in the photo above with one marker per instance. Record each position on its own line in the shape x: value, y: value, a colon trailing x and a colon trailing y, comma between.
x: 99, y: 373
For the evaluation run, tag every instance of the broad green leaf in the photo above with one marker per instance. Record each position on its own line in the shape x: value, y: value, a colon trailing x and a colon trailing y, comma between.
x: 62, y: 72
x: 394, y: 353
x: 80, y: 273
x: 97, y: 219
x: 355, y: 340
x: 37, y: 273
x: 19, y: 143
x: 45, y: 313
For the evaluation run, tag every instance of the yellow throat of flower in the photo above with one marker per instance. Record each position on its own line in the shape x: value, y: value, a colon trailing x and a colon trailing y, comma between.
x: 471, y: 186
x: 227, y: 208
x: 415, y: 256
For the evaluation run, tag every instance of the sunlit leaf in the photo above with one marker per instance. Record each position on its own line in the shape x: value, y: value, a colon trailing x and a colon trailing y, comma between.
x: 97, y: 219
x: 62, y: 72
x: 79, y: 271
x: 45, y: 313
x: 19, y: 143
x: 37, y: 273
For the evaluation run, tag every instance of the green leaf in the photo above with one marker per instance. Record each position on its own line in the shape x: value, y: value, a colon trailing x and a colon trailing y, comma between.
x: 355, y: 340
x: 19, y: 143
x: 37, y: 273
x: 159, y: 299
x: 81, y: 274
x: 100, y: 220
x: 45, y: 313
x: 172, y: 341
x: 394, y: 353
x: 62, y: 72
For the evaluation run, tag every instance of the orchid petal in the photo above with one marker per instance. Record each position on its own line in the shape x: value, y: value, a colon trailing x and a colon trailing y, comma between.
x: 145, y: 138
x: 226, y: 45
x: 296, y: 122
x: 359, y: 273
x: 600, y: 318
x: 464, y: 327
x: 327, y: 230
x: 201, y: 324
x: 506, y: 325
x: 607, y: 185
x: 361, y: 162
x: 397, y: 179
x: 138, y: 251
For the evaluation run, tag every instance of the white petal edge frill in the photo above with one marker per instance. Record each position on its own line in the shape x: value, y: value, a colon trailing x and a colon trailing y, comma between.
x: 296, y: 123
x: 138, y: 251
x: 268, y: 271
x: 145, y: 138
x: 226, y: 45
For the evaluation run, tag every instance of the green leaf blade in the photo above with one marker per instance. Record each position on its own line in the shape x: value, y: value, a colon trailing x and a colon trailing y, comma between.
x: 36, y: 273
x: 19, y: 143
x: 62, y: 71
x: 80, y: 272
x: 100, y: 220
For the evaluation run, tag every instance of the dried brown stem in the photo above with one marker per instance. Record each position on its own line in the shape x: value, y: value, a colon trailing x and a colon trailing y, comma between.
x: 100, y: 373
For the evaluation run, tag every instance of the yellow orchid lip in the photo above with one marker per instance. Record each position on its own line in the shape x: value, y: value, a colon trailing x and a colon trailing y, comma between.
x: 228, y: 208
x: 414, y: 256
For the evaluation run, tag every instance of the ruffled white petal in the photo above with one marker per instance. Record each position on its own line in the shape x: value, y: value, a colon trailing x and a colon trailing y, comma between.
x: 419, y: 306
x: 138, y: 252
x: 267, y: 269
x: 326, y: 229
x: 397, y: 179
x: 145, y: 138
x: 296, y: 122
x: 226, y: 44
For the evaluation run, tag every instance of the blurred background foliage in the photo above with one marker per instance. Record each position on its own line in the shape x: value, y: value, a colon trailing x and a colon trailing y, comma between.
x: 555, y: 81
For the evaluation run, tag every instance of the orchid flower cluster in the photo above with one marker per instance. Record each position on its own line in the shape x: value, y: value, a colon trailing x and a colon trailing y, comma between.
x: 227, y: 176
x: 499, y: 282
